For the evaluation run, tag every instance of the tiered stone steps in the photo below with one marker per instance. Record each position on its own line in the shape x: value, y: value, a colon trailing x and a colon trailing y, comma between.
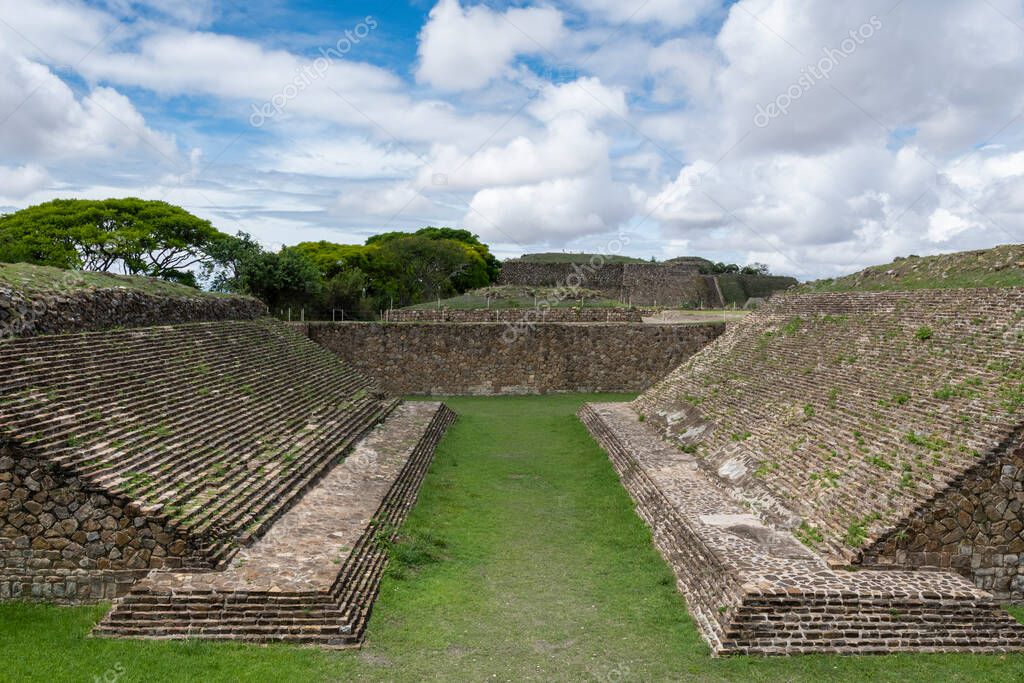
x: 313, y: 577
x: 214, y: 429
x: 755, y: 589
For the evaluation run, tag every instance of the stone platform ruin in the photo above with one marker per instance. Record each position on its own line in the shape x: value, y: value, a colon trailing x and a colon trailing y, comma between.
x: 228, y: 479
x: 840, y: 473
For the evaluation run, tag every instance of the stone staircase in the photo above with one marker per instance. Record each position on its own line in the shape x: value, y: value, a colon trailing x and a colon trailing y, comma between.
x: 214, y: 429
x: 315, y: 574
x: 755, y: 589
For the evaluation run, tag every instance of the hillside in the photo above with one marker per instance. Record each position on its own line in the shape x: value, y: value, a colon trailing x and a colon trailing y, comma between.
x: 29, y: 278
x: 1001, y: 266
x: 559, y: 257
x: 516, y: 296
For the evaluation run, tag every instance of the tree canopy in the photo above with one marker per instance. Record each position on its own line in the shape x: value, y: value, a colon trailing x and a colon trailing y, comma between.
x: 133, y: 236
x: 157, y: 239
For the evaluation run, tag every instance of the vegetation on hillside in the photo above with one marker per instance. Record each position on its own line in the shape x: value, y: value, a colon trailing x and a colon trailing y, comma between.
x: 1001, y: 266
x: 522, y: 560
x: 159, y: 240
x: 519, y: 296
x: 29, y: 279
x: 131, y: 236
x: 397, y: 269
x: 703, y: 265
x: 560, y: 257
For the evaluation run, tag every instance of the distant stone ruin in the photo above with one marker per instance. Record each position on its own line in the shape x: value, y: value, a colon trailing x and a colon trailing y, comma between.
x: 680, y: 283
x: 641, y: 284
x: 257, y: 472
x: 841, y: 473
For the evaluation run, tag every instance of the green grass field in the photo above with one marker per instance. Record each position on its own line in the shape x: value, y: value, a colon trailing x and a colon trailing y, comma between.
x: 523, y: 560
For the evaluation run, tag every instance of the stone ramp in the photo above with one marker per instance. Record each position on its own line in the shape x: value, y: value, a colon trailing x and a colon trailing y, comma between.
x: 313, y: 577
x: 209, y: 430
x: 754, y: 589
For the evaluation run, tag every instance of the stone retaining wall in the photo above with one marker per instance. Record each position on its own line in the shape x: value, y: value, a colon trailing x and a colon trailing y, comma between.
x: 25, y: 314
x: 61, y: 542
x: 515, y: 315
x: 646, y: 284
x: 607, y: 277
x: 974, y: 529
x: 480, y: 359
x: 753, y: 588
x: 884, y: 427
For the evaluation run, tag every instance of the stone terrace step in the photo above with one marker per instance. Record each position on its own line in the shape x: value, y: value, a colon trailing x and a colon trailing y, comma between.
x: 754, y: 589
x: 214, y: 429
x: 314, y: 575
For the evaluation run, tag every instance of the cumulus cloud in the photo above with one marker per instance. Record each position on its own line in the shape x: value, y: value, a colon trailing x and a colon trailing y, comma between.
x: 551, y: 211
x: 45, y: 120
x: 587, y: 97
x: 568, y: 147
x: 466, y: 48
x: 674, y: 13
x: 909, y: 144
x: 875, y: 158
x: 16, y: 183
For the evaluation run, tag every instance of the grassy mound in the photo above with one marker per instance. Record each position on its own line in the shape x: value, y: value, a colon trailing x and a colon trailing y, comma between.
x: 558, y: 257
x: 28, y: 278
x: 520, y: 296
x: 1001, y: 266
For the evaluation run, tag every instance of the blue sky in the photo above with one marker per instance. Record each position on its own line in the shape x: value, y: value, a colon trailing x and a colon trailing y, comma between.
x: 815, y: 136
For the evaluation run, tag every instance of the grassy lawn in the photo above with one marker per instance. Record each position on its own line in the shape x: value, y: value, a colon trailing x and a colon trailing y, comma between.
x: 522, y: 560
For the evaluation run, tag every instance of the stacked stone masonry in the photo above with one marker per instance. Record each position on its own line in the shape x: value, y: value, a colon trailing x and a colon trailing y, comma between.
x: 508, y: 358
x: 644, y: 284
x: 753, y: 588
x: 314, y: 576
x: 161, y: 448
x: 519, y: 315
x: 24, y: 314
x: 899, y: 412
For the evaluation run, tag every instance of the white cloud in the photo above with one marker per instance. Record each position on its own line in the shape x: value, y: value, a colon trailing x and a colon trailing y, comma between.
x: 46, y: 121
x: 466, y: 48
x: 943, y: 225
x: 351, y: 158
x: 672, y: 13
x: 569, y: 147
x: 587, y: 97
x: 683, y: 68
x: 62, y: 33
x: 551, y: 211
x: 17, y: 183
x: 388, y: 201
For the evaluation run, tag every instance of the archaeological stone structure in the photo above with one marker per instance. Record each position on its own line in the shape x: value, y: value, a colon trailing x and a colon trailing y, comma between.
x: 512, y: 358
x: 25, y: 314
x: 679, y: 283
x: 225, y: 479
x: 840, y: 473
x: 515, y: 315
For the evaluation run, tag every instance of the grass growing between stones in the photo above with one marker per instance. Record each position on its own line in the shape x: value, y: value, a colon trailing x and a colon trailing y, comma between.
x: 29, y: 278
x: 523, y: 559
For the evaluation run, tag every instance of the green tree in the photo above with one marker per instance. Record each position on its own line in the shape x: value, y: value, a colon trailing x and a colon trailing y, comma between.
x: 280, y: 279
x: 133, y: 236
x: 492, y: 266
